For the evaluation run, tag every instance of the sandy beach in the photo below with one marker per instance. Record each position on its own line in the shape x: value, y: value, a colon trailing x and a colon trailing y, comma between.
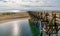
x: 2, y: 21
x: 4, y: 17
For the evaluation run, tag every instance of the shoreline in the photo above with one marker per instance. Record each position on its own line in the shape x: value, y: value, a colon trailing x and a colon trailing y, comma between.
x: 8, y: 16
x: 2, y: 21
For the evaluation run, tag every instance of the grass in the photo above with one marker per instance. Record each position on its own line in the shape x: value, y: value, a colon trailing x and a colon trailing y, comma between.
x: 34, y: 29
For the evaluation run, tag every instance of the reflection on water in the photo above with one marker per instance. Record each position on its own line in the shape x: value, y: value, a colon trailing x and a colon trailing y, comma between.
x: 41, y: 27
x: 23, y: 27
x: 35, y: 27
x: 15, y: 28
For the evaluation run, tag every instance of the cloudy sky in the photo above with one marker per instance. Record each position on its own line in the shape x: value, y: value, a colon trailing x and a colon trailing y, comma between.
x: 32, y: 5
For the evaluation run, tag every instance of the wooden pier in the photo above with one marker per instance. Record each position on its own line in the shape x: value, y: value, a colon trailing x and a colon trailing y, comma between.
x: 50, y: 19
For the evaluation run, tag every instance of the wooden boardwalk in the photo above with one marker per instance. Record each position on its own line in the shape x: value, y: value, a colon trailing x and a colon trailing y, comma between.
x: 50, y: 19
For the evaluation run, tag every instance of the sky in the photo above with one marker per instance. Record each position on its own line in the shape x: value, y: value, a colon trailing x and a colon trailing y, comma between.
x: 29, y: 5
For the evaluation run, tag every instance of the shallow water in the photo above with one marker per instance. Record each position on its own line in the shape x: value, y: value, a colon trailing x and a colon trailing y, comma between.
x: 15, y: 28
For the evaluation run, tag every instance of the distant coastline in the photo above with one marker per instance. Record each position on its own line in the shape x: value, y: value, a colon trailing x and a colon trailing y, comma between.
x: 13, y: 16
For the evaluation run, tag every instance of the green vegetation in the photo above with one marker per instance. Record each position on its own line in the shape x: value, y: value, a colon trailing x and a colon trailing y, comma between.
x: 34, y: 29
x: 7, y: 13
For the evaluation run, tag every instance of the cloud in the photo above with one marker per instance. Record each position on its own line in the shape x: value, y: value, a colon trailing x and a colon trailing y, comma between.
x: 32, y: 3
x: 9, y: 4
x: 42, y: 3
x: 28, y: 4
